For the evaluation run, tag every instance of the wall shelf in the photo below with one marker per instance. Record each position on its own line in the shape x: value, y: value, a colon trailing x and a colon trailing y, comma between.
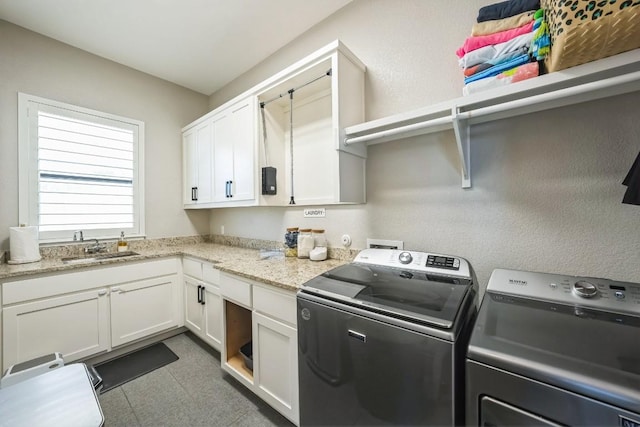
x: 606, y: 77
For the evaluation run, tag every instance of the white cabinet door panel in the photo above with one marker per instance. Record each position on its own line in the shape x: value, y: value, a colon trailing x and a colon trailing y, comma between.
x: 143, y: 308
x: 213, y: 316
x: 76, y: 325
x: 275, y: 364
x: 193, y: 313
x: 243, y: 124
x: 222, y: 157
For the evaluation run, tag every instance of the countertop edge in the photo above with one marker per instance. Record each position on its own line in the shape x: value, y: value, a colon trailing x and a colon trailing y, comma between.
x: 288, y: 274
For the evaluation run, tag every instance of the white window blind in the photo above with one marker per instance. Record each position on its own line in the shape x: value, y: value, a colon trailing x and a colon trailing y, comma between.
x: 85, y: 172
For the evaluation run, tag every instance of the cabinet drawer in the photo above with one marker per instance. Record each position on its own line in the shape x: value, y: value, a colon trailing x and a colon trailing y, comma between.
x: 275, y: 304
x: 85, y: 279
x: 192, y: 268
x: 235, y: 289
x: 210, y: 274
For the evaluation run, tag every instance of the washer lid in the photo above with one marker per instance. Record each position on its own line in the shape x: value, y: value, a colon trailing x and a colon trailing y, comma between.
x: 417, y: 296
x: 590, y: 352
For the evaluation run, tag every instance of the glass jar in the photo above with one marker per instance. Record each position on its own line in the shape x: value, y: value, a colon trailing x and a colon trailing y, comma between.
x: 291, y: 242
x: 305, y: 243
x: 319, y: 239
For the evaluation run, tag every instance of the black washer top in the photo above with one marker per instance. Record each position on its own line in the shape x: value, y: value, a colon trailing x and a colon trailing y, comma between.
x: 417, y: 296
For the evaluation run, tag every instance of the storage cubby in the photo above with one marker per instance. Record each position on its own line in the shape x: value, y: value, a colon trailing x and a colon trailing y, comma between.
x: 237, y: 333
x: 328, y: 94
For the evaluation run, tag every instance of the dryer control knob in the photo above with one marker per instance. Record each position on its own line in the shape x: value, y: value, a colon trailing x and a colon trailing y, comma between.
x: 405, y: 257
x: 585, y: 289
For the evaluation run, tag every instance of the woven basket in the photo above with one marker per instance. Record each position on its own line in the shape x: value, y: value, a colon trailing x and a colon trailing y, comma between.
x: 585, y: 30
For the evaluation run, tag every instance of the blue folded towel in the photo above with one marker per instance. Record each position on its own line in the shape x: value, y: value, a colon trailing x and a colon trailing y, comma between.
x: 499, y: 68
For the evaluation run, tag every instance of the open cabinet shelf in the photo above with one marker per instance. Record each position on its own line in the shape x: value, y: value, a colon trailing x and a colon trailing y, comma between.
x: 328, y: 96
x: 606, y: 77
x: 238, y: 332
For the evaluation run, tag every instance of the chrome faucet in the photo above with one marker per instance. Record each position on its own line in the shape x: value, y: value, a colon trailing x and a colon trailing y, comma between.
x: 97, y: 247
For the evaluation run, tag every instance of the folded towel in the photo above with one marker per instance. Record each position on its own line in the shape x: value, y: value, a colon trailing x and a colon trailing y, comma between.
x: 475, y: 43
x: 506, y: 9
x: 495, y: 26
x: 487, y: 53
x: 497, y: 69
x: 514, y: 75
x: 632, y: 181
x: 541, y: 43
x: 495, y: 61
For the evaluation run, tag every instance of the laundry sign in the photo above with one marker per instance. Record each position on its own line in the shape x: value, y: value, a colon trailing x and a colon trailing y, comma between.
x: 315, y: 213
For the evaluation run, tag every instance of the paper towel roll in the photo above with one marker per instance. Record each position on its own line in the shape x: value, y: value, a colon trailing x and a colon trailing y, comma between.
x: 23, y: 245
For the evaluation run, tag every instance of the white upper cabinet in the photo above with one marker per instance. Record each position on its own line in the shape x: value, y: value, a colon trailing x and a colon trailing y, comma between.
x: 292, y: 123
x: 197, y: 161
x: 306, y: 109
x: 234, y: 146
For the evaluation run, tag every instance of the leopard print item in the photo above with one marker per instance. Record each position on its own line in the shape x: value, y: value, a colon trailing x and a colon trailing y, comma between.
x: 561, y: 14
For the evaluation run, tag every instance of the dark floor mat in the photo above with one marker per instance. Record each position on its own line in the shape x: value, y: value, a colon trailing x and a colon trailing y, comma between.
x: 133, y: 365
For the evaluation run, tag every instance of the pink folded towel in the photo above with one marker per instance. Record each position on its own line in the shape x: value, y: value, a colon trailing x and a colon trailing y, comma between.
x: 473, y: 43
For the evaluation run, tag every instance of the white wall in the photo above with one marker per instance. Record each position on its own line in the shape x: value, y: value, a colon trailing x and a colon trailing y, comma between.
x: 546, y: 187
x: 40, y: 66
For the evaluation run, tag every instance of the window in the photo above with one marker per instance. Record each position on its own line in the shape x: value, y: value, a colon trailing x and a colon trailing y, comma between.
x: 79, y: 170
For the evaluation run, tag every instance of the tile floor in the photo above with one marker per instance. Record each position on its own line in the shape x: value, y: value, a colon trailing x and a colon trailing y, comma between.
x: 192, y: 391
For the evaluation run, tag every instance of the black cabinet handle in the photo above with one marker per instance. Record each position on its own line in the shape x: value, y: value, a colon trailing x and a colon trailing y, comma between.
x: 194, y: 193
x: 199, y: 297
x: 227, y: 189
x: 230, y: 194
x: 202, y: 296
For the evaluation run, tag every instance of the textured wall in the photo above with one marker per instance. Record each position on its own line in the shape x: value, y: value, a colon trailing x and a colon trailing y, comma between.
x: 43, y: 67
x: 546, y: 187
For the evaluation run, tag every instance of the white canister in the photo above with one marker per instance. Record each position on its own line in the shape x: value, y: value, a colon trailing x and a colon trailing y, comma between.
x: 305, y: 243
x: 318, y: 254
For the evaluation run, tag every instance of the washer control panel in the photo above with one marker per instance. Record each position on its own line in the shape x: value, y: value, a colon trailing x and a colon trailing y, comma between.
x: 602, y: 294
x: 443, y: 262
x: 416, y: 261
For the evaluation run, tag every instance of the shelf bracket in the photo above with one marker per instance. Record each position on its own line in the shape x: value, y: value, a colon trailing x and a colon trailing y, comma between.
x: 462, y: 131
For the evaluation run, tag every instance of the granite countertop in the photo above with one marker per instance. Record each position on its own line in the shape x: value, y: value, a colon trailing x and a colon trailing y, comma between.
x: 282, y: 272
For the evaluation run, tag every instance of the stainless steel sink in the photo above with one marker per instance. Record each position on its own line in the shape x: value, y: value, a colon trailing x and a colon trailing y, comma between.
x: 97, y: 257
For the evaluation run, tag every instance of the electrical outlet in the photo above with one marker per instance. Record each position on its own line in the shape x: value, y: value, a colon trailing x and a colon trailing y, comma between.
x: 222, y: 229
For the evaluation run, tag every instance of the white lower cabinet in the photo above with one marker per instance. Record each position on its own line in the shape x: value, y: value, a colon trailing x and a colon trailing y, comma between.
x: 193, y: 312
x: 157, y: 298
x: 86, y: 312
x: 275, y: 364
x: 265, y: 316
x: 76, y: 325
x: 202, y: 301
x: 203, y: 311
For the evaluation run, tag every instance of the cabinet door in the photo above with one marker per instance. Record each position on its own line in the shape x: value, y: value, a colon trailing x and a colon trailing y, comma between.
x: 205, y: 162
x: 76, y: 325
x: 212, y: 316
x: 193, y: 312
x: 198, y: 163
x: 234, y: 150
x: 189, y: 167
x: 222, y: 157
x: 275, y: 364
x: 143, y: 308
x: 243, y: 121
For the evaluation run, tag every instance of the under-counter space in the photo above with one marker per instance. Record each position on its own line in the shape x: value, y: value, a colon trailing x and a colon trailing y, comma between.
x: 286, y: 273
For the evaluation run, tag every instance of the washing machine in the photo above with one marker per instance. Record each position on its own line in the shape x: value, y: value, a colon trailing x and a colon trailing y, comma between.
x: 550, y: 349
x: 381, y: 341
